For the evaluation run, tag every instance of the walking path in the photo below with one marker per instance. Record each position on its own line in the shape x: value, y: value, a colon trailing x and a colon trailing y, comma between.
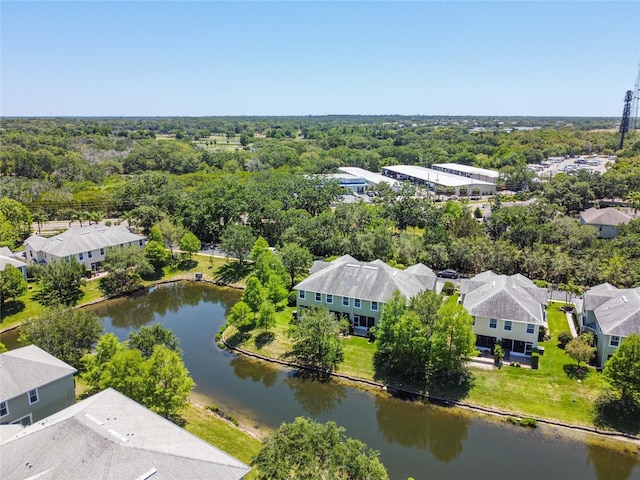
x: 572, y: 326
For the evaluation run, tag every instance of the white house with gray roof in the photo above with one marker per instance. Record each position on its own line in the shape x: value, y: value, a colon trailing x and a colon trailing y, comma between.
x: 607, y: 220
x: 88, y: 245
x: 7, y: 257
x: 508, y: 310
x: 109, y: 436
x: 359, y: 290
x: 612, y: 314
x: 33, y: 385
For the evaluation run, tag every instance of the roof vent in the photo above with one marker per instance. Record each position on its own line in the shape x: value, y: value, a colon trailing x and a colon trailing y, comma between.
x: 103, y: 229
x: 370, y: 268
x: 84, y: 233
x: 624, y: 299
x: 352, y: 265
x: 149, y: 473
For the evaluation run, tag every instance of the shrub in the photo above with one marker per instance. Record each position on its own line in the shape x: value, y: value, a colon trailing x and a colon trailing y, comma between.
x: 564, y: 338
x: 529, y: 422
x: 449, y: 288
x: 512, y: 420
x: 213, y: 408
x: 292, y: 298
x: 535, y: 361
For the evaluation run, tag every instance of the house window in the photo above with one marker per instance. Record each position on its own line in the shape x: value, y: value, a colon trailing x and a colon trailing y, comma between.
x: 345, y: 301
x: 356, y: 302
x: 31, y: 253
x: 531, y: 328
x: 102, y: 252
x: 140, y: 243
x: 614, y: 341
x: 4, y: 409
x: 122, y: 245
x: 90, y: 254
x: 507, y: 325
x: 301, y: 294
x: 81, y: 256
x: 493, y: 323
x: 474, y: 320
x: 318, y: 297
x: 329, y: 298
x: 24, y: 421
x: 33, y: 396
x: 374, y: 306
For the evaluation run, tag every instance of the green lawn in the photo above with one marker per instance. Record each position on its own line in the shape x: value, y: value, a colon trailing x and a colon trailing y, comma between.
x: 221, y: 434
x: 548, y: 392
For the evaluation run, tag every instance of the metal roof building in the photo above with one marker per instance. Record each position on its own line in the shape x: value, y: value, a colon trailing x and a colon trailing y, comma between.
x: 468, y: 171
x: 370, y: 177
x: 436, y: 179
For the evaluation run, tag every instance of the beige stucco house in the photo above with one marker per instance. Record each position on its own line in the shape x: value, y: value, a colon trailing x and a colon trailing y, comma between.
x: 508, y: 310
x: 88, y: 245
x: 359, y: 290
x: 612, y: 314
x: 33, y: 385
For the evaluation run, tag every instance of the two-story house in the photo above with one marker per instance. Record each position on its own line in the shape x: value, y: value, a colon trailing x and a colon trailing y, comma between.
x: 359, y: 290
x: 607, y: 220
x: 88, y: 245
x: 611, y: 314
x: 108, y: 435
x: 33, y: 385
x: 508, y: 310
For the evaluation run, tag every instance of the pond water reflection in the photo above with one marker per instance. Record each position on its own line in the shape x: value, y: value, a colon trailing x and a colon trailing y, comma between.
x: 417, y: 440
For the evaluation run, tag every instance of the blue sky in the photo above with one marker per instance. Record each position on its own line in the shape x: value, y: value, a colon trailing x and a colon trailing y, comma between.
x: 574, y: 58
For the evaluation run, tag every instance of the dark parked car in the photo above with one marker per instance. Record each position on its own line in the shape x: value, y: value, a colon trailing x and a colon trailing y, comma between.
x: 447, y: 274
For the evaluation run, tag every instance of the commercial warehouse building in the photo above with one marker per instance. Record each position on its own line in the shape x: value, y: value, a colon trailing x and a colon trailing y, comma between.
x: 438, y: 180
x: 371, y: 178
x: 467, y: 171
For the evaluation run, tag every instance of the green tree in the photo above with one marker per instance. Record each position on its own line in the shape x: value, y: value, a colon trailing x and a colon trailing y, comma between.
x: 156, y: 254
x: 453, y: 340
x: 239, y: 314
x: 236, y: 241
x: 148, y: 337
x: 579, y: 350
x: 126, y: 267
x: 316, y: 342
x: 171, y: 234
x: 253, y: 295
x: 12, y: 283
x: 167, y: 382
x: 60, y: 283
x: 3, y: 348
x: 190, y: 243
x: 155, y: 235
x: 275, y: 289
x: 296, y: 260
x: 315, y: 451
x: 267, y: 317
x: 65, y: 334
x: 18, y: 217
x: 622, y: 370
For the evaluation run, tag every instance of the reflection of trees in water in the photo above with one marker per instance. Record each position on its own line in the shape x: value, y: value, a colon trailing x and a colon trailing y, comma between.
x: 611, y: 464
x: 138, y: 310
x: 418, y: 425
x: 314, y: 395
x: 256, y: 371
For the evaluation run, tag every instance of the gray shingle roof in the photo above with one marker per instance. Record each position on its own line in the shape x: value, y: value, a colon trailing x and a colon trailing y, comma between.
x: 77, y: 240
x: 7, y: 257
x: 109, y: 436
x: 375, y: 281
x: 27, y: 368
x: 513, y: 298
x: 617, y: 311
x: 604, y: 216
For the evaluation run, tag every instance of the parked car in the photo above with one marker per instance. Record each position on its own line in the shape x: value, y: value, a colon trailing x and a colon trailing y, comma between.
x: 447, y: 274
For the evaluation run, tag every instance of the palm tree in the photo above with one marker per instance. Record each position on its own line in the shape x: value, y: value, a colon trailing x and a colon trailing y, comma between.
x: 40, y: 217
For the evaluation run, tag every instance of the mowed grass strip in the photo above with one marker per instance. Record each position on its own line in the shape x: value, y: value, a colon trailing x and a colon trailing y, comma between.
x: 222, y: 434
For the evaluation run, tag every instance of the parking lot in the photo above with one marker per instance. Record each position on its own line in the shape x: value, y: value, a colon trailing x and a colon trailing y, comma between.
x: 551, y: 168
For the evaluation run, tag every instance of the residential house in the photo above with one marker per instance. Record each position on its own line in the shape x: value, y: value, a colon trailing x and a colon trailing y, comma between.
x: 508, y: 310
x: 89, y: 245
x: 611, y: 314
x: 7, y: 257
x: 607, y: 220
x: 33, y: 385
x: 109, y: 436
x: 359, y: 290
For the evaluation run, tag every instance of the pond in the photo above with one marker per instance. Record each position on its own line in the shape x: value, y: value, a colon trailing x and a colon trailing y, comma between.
x: 414, y: 439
